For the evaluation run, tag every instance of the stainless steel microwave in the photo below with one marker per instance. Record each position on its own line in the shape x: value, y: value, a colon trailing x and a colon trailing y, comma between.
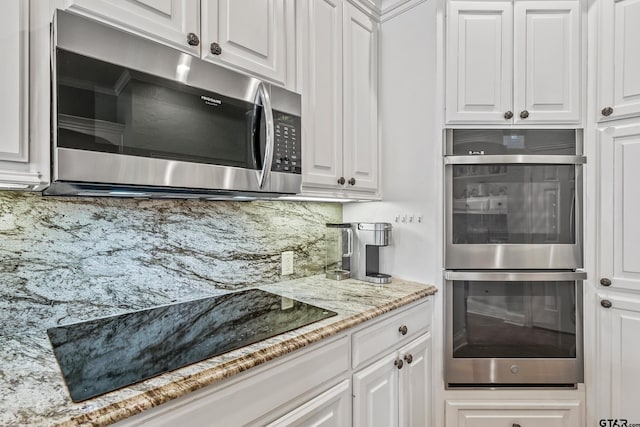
x: 131, y: 117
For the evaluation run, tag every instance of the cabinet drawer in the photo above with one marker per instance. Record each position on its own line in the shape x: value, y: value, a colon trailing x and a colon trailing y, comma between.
x: 510, y: 413
x: 247, y: 397
x: 372, y: 341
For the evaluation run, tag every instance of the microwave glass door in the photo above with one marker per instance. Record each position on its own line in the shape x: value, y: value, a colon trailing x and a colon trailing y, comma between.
x: 108, y: 108
x: 513, y: 203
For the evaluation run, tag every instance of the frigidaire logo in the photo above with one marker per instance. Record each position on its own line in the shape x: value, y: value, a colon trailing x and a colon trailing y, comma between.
x: 210, y: 101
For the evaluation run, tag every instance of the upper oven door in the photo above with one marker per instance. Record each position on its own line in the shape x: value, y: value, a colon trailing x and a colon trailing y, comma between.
x: 513, y: 201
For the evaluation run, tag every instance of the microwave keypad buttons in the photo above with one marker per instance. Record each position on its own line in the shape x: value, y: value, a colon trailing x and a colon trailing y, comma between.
x: 287, y: 149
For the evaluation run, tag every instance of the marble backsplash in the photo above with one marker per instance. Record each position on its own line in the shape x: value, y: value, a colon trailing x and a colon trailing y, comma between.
x: 80, y: 258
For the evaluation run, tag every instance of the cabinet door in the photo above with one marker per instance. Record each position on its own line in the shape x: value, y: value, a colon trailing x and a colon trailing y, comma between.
x: 507, y: 413
x: 618, y: 371
x: 619, y: 59
x: 360, y: 126
x: 375, y: 394
x: 322, y: 89
x: 252, y: 35
x: 619, y: 206
x: 415, y: 383
x: 330, y: 409
x: 547, y: 70
x: 479, y: 64
x: 14, y: 81
x: 169, y: 21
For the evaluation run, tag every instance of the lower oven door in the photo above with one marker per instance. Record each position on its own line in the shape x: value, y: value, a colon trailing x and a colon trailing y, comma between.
x: 513, y: 328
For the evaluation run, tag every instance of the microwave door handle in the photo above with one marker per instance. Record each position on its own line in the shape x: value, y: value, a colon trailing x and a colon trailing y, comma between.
x: 263, y: 94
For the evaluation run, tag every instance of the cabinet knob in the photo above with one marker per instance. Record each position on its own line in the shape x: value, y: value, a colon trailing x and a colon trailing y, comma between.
x: 403, y: 329
x: 341, y: 181
x: 409, y: 358
x: 193, y: 39
x: 607, y: 111
x: 605, y: 282
x: 352, y: 181
x: 508, y: 115
x: 524, y: 114
x: 215, y: 48
x: 399, y: 363
x: 606, y: 303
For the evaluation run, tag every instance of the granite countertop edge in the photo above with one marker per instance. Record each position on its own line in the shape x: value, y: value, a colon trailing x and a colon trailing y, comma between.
x: 128, y: 407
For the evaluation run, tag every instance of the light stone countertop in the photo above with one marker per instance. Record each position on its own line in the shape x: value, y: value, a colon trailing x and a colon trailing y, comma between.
x: 34, y: 393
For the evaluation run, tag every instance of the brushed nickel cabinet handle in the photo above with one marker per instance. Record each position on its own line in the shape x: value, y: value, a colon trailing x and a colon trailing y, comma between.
x: 403, y: 329
x: 524, y: 114
x: 215, y: 48
x: 399, y: 363
x: 606, y: 303
x: 193, y: 39
x: 352, y: 181
x: 605, y: 282
x: 508, y: 115
x: 341, y: 180
x: 607, y: 111
x: 409, y: 358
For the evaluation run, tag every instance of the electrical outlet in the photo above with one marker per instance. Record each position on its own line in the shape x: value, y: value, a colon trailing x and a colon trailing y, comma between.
x: 287, y: 263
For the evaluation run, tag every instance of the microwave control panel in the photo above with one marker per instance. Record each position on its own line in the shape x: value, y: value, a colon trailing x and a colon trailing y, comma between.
x: 287, y: 151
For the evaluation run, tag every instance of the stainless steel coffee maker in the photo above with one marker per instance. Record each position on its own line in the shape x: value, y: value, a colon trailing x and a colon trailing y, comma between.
x: 338, y: 251
x: 365, y: 262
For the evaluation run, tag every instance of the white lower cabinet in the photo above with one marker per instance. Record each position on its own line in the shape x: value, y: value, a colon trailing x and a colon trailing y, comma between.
x: 392, y: 363
x: 317, y: 386
x: 257, y: 398
x: 395, y: 390
x: 617, y: 368
x: 331, y: 409
x: 495, y: 413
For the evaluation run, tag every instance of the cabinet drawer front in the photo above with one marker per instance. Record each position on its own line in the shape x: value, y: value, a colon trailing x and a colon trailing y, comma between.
x: 372, y: 341
x: 253, y: 395
x: 559, y: 413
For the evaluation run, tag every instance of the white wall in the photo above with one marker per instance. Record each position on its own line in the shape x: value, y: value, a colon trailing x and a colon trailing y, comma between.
x: 410, y: 116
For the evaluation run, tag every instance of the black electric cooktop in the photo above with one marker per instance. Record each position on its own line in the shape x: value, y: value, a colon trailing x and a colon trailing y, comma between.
x: 105, y: 354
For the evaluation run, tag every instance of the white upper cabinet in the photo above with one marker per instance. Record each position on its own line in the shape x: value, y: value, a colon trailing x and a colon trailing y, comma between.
x: 479, y: 62
x: 18, y: 169
x: 322, y: 89
x: 619, y: 243
x: 360, y: 132
x: 339, y: 62
x: 547, y: 69
x: 14, y: 84
x: 511, y: 64
x: 255, y: 35
x: 618, y: 59
x: 170, y: 21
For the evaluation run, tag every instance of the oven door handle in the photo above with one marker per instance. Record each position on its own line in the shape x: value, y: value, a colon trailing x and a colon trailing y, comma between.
x: 512, y: 276
x: 515, y: 158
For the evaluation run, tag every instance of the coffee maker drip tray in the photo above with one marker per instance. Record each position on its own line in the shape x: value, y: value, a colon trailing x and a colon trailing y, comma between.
x: 105, y: 354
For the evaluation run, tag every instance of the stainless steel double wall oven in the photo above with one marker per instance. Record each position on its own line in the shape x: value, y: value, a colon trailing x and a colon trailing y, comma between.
x: 513, y: 247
